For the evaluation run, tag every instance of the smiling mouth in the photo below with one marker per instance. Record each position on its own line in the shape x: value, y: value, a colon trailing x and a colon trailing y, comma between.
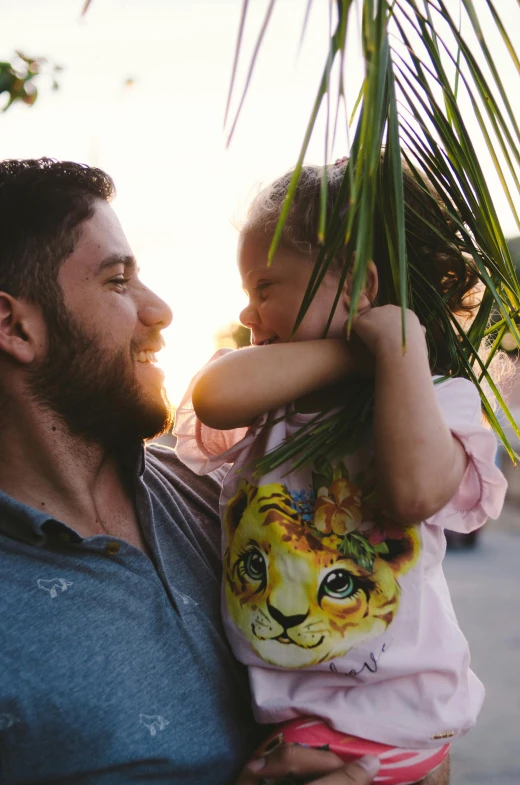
x: 146, y: 357
x: 268, y: 341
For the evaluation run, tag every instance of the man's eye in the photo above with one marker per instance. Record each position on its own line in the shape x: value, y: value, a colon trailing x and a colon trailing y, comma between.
x: 119, y: 281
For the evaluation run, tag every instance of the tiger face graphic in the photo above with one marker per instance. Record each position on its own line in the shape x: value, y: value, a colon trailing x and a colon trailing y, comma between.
x: 294, y: 593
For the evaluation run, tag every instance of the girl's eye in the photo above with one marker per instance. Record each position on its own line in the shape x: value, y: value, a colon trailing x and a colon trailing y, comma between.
x: 261, y: 290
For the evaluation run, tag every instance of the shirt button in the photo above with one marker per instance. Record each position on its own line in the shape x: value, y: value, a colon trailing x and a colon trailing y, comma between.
x: 112, y: 548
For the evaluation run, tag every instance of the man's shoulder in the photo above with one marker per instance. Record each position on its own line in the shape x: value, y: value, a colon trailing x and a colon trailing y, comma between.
x: 165, y: 458
x: 163, y: 465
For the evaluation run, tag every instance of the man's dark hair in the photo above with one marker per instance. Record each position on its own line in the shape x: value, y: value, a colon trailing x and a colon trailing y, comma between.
x: 43, y: 203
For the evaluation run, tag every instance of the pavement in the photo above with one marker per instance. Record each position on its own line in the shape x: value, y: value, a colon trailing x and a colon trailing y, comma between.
x: 485, y: 589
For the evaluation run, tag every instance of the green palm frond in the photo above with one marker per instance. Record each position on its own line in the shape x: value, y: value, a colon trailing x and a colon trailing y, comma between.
x: 432, y: 97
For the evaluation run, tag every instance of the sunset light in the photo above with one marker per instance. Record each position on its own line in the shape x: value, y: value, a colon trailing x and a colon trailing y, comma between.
x: 142, y: 94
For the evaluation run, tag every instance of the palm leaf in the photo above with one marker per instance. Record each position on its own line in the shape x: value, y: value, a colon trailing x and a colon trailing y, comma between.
x: 252, y: 64
x: 424, y: 81
x: 235, y: 60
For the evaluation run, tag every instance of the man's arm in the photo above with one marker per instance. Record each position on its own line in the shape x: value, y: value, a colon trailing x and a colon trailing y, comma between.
x: 304, y: 764
x: 309, y: 765
x: 440, y: 776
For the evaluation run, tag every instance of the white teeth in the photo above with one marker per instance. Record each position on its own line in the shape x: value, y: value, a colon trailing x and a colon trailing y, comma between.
x: 146, y: 357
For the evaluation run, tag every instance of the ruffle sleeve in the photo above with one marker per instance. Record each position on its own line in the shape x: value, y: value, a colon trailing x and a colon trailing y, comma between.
x: 199, y: 447
x: 482, y: 491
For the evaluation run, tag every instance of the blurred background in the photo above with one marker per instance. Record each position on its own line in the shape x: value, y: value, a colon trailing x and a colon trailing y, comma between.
x: 141, y: 92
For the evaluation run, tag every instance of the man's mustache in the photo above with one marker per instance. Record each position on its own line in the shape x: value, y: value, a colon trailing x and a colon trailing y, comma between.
x: 154, y: 343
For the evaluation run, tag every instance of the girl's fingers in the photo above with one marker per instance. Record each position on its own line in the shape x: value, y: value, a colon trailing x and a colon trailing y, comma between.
x: 309, y: 765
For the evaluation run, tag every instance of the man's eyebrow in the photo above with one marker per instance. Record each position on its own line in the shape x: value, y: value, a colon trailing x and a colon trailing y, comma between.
x: 129, y: 263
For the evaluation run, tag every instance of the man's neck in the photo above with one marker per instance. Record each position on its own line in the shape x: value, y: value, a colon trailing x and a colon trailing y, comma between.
x: 79, y: 483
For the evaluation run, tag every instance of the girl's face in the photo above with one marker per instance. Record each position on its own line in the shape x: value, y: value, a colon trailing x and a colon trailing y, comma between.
x: 275, y: 295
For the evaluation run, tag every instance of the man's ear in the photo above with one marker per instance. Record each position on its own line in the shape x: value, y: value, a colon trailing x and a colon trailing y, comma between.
x: 21, y: 326
x: 369, y: 293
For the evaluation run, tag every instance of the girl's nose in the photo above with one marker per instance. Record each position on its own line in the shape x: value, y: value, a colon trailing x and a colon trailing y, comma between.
x: 249, y: 316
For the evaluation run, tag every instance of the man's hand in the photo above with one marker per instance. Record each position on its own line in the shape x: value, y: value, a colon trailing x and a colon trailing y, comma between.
x: 308, y: 765
x: 316, y: 767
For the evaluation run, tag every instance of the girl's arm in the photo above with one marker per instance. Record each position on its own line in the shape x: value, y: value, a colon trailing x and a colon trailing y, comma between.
x: 419, y: 463
x: 237, y: 388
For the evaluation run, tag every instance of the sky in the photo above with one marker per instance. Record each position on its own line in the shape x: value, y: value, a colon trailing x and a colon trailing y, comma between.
x: 142, y: 95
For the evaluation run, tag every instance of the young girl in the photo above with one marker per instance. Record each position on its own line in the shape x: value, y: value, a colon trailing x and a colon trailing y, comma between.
x: 333, y: 592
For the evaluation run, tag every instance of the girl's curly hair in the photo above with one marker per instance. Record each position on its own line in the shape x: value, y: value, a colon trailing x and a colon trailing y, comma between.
x: 437, y: 262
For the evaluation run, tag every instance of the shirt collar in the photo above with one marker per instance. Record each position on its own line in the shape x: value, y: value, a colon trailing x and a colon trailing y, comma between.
x: 29, y: 525
x: 134, y: 459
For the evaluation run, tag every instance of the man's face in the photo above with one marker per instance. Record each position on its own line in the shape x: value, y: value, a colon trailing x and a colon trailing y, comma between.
x: 99, y: 371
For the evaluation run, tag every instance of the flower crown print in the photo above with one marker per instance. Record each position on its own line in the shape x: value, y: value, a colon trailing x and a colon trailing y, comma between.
x: 345, y: 514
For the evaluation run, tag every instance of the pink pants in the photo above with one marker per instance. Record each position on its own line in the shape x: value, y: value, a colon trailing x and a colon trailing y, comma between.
x: 398, y: 766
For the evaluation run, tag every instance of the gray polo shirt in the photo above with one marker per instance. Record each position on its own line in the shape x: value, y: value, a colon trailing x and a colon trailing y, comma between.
x: 113, y: 667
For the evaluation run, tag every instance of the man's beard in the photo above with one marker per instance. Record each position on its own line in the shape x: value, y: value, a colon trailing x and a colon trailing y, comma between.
x: 94, y: 391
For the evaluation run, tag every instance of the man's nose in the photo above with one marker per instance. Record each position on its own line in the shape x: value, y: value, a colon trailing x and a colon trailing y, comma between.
x: 154, y: 312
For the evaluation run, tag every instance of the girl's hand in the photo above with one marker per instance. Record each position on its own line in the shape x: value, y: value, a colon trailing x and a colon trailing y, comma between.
x: 308, y: 765
x: 380, y: 328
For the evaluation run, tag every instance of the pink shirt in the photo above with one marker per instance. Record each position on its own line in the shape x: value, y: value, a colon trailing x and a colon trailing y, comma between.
x: 338, y: 611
